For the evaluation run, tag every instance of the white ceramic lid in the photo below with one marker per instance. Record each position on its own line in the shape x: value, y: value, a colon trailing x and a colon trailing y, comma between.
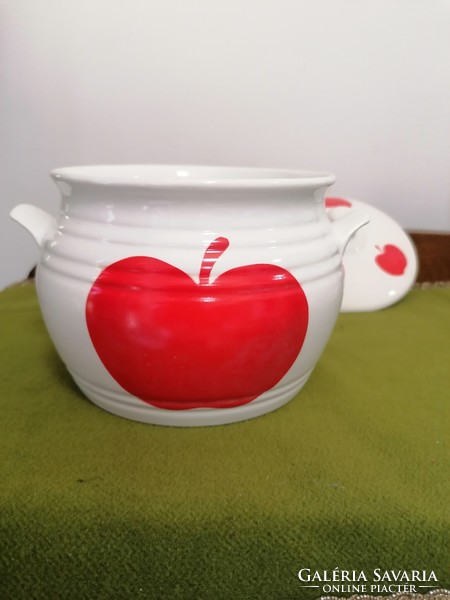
x: 380, y: 261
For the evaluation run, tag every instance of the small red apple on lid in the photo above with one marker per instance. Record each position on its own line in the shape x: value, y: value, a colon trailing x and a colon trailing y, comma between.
x: 391, y: 259
x: 335, y: 202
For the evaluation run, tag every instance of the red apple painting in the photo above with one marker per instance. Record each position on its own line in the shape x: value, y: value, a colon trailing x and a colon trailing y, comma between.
x: 335, y: 202
x: 391, y: 259
x: 178, y: 344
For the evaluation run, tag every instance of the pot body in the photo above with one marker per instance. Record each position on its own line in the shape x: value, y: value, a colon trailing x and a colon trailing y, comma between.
x: 187, y: 296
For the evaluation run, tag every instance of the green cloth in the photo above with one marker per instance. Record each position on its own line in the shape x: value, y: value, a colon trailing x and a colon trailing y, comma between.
x: 353, y: 473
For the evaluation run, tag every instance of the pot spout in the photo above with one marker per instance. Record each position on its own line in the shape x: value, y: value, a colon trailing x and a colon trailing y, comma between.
x: 36, y: 221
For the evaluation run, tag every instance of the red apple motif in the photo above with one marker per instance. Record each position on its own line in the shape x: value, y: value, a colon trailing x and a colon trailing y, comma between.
x: 391, y: 259
x: 177, y: 344
x: 334, y: 202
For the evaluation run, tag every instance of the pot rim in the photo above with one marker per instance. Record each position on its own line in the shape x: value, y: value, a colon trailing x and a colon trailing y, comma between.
x: 191, y: 176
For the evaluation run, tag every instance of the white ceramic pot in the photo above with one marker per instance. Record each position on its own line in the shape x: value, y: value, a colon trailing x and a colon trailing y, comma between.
x: 189, y: 295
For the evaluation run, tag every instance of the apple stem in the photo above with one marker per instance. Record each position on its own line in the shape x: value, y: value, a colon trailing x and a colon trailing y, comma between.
x: 212, y: 253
